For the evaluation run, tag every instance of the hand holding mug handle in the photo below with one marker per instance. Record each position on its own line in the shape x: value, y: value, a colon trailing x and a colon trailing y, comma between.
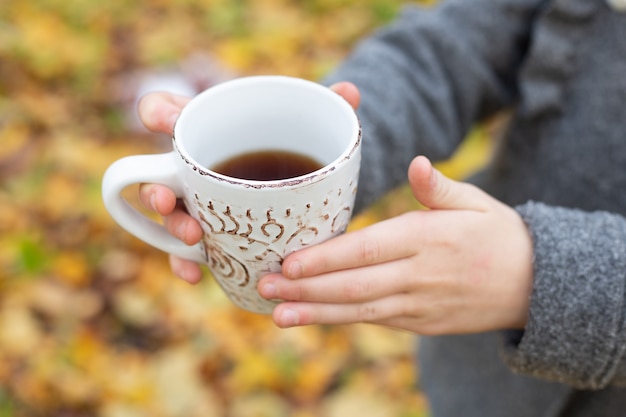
x: 159, y: 169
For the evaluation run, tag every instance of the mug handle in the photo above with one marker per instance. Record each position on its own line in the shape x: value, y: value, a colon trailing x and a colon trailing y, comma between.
x: 159, y: 169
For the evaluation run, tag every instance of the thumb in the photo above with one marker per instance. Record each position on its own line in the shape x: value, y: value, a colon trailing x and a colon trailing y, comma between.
x: 436, y: 191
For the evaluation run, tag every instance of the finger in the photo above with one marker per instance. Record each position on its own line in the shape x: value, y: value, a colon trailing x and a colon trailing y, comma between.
x: 175, y: 217
x: 436, y: 191
x: 375, y: 244
x: 180, y: 224
x: 157, y: 198
x: 188, y: 271
x: 159, y: 111
x: 349, y: 92
x: 301, y: 314
x: 348, y: 286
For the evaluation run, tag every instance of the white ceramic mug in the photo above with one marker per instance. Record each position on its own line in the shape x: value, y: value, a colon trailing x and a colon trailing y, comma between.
x: 249, y: 226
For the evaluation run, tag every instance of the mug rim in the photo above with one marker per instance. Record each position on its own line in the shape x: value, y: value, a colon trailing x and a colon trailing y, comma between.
x: 346, y: 155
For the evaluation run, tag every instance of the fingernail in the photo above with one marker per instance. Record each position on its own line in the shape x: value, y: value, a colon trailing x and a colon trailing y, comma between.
x: 295, y: 270
x: 178, y: 269
x: 181, y: 231
x: 182, y: 274
x: 433, y: 177
x: 289, y: 318
x: 153, y: 201
x: 269, y: 291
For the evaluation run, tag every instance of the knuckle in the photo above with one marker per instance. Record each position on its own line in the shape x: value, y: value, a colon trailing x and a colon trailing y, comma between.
x: 298, y: 293
x: 367, y: 312
x: 293, y: 292
x: 356, y: 290
x: 369, y: 252
x: 446, y: 194
x: 411, y: 310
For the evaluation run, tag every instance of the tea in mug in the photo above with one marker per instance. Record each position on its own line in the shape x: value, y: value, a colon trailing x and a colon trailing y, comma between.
x: 267, y: 165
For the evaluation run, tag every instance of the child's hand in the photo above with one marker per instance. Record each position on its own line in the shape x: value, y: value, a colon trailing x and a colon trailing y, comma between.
x: 463, y: 266
x: 158, y: 112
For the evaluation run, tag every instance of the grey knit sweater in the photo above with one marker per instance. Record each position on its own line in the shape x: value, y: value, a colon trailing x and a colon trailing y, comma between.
x: 561, y: 65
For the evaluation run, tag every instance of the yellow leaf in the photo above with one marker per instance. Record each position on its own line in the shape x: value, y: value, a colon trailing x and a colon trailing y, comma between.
x: 358, y: 402
x: 376, y: 342
x: 14, y: 138
x: 178, y: 387
x: 363, y: 220
x: 313, y: 378
x: 265, y: 404
x: 19, y: 332
x: 60, y: 196
x: 254, y: 370
x: 72, y: 268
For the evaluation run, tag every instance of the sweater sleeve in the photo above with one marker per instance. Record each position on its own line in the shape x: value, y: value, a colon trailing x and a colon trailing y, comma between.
x: 576, y: 332
x: 428, y: 77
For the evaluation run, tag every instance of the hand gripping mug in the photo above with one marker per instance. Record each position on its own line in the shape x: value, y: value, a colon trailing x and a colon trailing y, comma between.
x: 266, y: 164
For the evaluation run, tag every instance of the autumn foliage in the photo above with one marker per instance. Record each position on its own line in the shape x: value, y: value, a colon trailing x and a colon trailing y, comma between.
x: 92, y: 322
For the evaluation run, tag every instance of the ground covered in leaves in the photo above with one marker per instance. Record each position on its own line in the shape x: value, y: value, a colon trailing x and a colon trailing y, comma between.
x: 92, y: 322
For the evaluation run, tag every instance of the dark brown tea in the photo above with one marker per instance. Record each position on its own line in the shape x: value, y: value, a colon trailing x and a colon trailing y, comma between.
x: 267, y: 165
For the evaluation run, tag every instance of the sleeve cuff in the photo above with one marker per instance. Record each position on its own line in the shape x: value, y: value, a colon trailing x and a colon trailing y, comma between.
x: 575, y: 332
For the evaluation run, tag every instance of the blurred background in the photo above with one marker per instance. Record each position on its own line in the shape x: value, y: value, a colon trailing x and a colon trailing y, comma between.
x: 92, y: 322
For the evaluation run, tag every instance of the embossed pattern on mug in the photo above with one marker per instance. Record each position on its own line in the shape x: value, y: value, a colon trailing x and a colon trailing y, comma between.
x: 263, y: 238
